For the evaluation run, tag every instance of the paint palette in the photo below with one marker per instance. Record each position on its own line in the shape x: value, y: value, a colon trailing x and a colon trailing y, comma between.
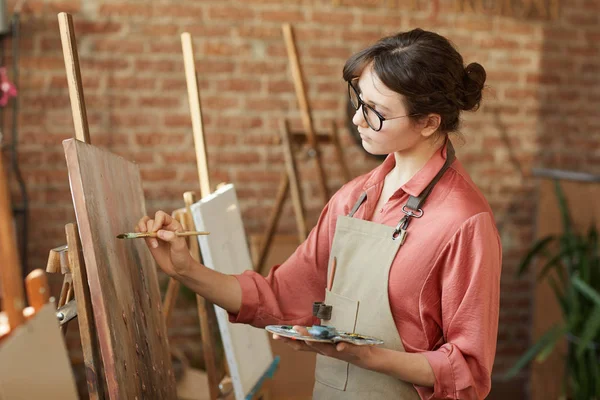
x: 353, y: 338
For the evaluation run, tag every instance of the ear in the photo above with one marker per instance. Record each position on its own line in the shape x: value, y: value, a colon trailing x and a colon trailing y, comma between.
x: 430, y: 124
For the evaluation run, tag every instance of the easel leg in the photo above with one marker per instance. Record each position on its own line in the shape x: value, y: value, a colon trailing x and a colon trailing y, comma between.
x: 273, y: 219
x: 335, y: 138
x: 294, y: 181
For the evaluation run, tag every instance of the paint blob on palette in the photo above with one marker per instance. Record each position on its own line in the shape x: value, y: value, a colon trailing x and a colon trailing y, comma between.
x: 353, y: 338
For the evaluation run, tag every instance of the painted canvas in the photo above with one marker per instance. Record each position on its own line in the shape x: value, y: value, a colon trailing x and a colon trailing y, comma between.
x: 108, y: 199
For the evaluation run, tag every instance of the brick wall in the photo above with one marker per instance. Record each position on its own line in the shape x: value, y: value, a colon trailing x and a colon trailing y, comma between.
x: 541, y: 107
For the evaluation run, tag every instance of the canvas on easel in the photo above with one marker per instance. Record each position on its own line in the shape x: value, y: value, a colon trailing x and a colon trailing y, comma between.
x: 225, y: 250
x: 108, y: 199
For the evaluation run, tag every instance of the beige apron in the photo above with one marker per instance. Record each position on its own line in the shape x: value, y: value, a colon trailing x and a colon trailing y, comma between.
x: 364, y: 253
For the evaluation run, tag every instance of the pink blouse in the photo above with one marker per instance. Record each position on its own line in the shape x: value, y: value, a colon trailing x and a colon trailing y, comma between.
x: 444, y: 283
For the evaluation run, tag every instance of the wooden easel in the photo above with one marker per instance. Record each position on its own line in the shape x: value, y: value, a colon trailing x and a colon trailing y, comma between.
x: 72, y: 262
x: 219, y: 381
x: 67, y: 259
x: 289, y: 181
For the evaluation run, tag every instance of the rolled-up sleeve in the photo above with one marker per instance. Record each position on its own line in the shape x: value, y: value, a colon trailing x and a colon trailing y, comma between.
x: 469, y: 267
x: 286, y: 295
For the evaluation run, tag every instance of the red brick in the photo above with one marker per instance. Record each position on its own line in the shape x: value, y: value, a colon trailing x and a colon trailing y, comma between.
x: 364, y: 37
x: 126, y: 46
x: 157, y: 66
x: 231, y: 158
x: 220, y: 139
x: 178, y: 10
x: 219, y: 102
x: 112, y: 64
x: 226, y: 48
x: 238, y: 85
x: 259, y: 32
x: 230, y: 13
x: 153, y: 139
x: 282, y: 16
x: 520, y: 94
x: 277, y: 50
x: 336, y: 17
x: 173, y: 120
x: 266, y: 104
x: 329, y: 52
x: 280, y: 87
x: 128, y: 120
x: 102, y: 101
x: 179, y: 157
x: 214, y: 67
x: 125, y: 10
x: 131, y: 82
x: 160, y: 30
x: 264, y: 67
x: 202, y: 30
x: 498, y: 43
x: 157, y: 174
x: 96, y: 27
x: 159, y: 100
x: 543, y: 79
x: 42, y: 62
x: 381, y: 20
x: 584, y: 20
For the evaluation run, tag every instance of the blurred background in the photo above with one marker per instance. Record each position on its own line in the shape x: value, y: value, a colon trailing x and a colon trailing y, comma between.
x: 540, y: 117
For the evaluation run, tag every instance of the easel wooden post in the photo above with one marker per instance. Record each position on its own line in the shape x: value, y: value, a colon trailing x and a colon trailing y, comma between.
x: 67, y: 259
x: 124, y: 271
x: 289, y: 178
x: 206, y: 311
x: 217, y: 386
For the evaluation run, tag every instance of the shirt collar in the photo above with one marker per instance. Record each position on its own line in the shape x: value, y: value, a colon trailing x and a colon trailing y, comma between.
x: 419, y: 181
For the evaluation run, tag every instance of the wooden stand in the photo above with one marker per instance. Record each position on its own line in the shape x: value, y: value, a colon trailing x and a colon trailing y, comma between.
x: 219, y: 381
x: 290, y: 180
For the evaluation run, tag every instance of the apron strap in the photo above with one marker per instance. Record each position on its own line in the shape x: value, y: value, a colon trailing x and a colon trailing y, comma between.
x: 412, y: 208
x: 415, y: 203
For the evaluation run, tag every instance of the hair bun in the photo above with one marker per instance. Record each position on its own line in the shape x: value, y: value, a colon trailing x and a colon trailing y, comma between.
x: 473, y: 82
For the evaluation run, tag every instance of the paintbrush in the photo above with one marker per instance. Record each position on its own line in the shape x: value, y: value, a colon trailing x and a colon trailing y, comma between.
x: 133, y: 235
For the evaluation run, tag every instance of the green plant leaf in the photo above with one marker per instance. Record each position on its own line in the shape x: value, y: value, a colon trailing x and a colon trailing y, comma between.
x: 559, y: 294
x: 533, y: 351
x: 556, y: 260
x: 590, y: 331
x: 554, y: 338
x: 536, y: 249
x: 563, y: 207
x: 587, y: 290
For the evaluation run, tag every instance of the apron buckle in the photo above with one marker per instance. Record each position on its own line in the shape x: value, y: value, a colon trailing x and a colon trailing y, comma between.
x: 411, y: 212
x: 322, y: 310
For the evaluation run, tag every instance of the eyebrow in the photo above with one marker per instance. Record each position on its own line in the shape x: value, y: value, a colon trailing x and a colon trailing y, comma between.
x: 384, y: 108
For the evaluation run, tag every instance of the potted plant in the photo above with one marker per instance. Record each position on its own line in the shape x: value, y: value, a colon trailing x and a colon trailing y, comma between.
x: 571, y: 266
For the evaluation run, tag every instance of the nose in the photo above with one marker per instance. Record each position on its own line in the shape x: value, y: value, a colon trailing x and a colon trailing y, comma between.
x: 359, y: 118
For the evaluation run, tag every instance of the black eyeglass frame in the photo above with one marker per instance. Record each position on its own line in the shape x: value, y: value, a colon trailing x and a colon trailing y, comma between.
x: 364, y: 106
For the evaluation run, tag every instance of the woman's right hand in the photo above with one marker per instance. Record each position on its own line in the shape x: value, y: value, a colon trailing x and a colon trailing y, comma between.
x: 170, y: 252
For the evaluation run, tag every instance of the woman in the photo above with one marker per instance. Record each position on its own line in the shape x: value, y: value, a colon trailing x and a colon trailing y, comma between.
x: 417, y: 253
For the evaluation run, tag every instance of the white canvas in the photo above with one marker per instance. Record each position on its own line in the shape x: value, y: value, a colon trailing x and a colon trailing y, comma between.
x: 247, y: 349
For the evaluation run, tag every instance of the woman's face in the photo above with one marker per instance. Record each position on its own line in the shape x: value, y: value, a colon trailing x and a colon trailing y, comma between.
x: 396, y: 135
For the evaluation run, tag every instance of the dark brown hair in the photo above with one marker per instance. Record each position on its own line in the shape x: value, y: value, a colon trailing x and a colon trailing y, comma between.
x: 427, y: 70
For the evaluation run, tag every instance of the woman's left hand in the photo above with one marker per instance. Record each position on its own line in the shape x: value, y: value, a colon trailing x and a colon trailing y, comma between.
x: 361, y: 356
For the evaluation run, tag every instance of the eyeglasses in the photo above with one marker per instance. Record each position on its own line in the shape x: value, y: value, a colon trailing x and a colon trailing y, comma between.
x: 373, y: 118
